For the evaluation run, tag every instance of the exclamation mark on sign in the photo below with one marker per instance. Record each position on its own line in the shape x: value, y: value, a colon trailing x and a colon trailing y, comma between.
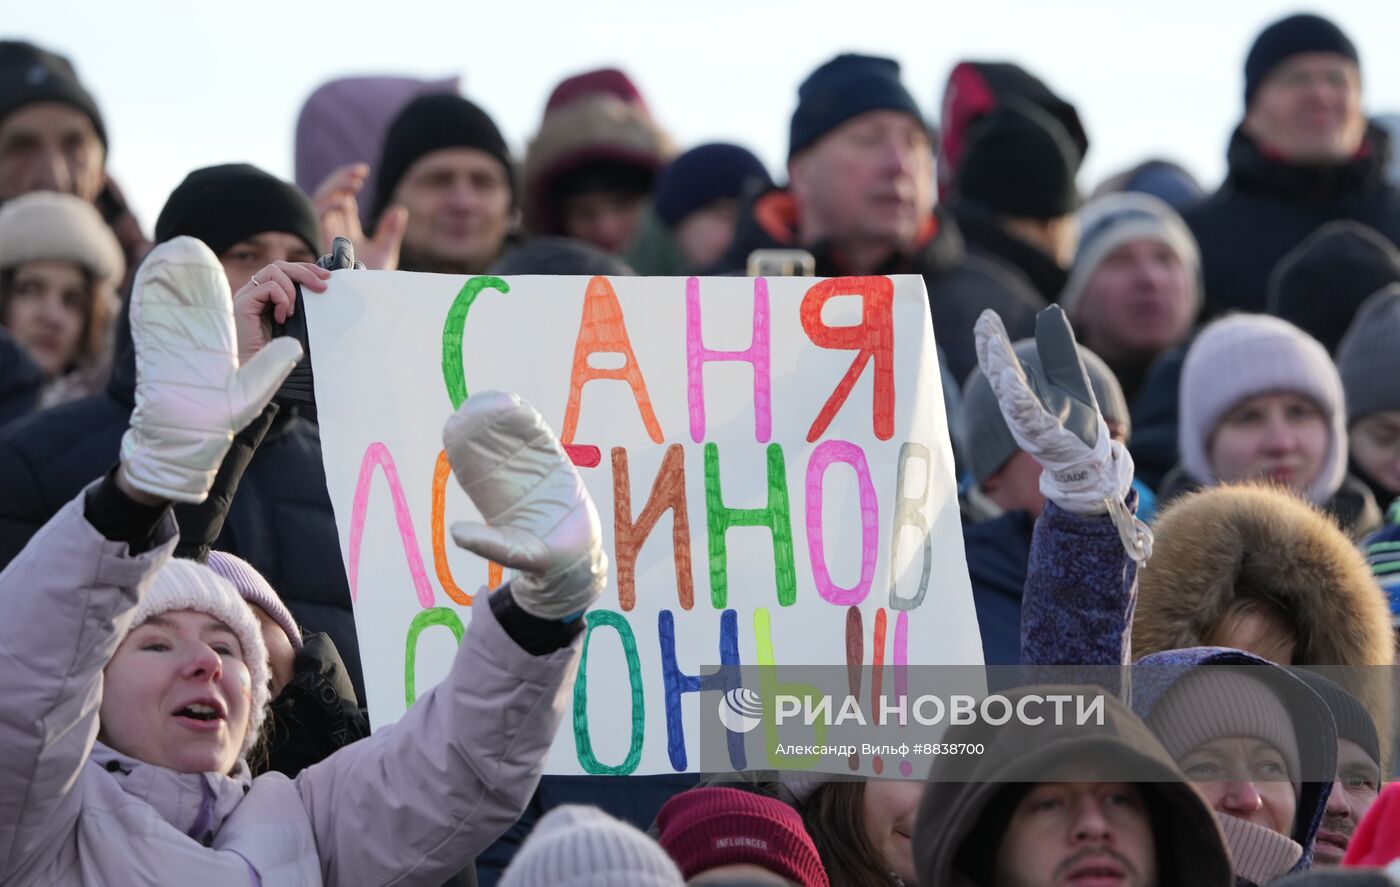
x: 855, y: 660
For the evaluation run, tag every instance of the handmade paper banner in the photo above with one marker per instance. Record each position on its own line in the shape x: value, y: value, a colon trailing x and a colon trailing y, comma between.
x: 769, y: 458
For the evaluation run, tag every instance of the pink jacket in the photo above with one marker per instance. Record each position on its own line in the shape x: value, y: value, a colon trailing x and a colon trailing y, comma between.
x: 413, y: 804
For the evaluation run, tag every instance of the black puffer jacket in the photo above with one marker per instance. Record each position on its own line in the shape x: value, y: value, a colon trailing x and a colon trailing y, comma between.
x: 960, y: 286
x: 280, y: 521
x: 21, y: 381
x: 1265, y: 208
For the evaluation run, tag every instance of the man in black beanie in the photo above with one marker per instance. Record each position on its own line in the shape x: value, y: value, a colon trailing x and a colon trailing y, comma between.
x: 861, y: 199
x: 52, y: 138
x: 51, y: 133
x: 1305, y: 154
x: 249, y: 218
x: 280, y: 519
x: 1358, y: 782
x: 1015, y: 194
x: 446, y: 163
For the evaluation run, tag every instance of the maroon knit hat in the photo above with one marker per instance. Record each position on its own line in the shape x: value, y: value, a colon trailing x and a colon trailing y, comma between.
x: 705, y: 828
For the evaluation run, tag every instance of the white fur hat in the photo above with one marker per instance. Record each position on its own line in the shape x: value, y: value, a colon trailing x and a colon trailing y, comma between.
x: 186, y: 585
x: 49, y: 226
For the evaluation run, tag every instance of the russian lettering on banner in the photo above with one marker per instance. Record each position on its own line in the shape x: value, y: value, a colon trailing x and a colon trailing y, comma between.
x: 769, y: 458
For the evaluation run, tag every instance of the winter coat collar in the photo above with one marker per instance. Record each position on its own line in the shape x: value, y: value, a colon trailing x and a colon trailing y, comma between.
x: 770, y: 221
x: 1253, y: 169
x: 195, y: 803
x: 1156, y: 674
x: 983, y: 234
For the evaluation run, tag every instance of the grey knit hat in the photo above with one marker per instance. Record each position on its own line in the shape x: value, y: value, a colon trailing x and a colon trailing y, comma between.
x: 1247, y: 355
x: 1214, y: 702
x: 254, y: 589
x: 1369, y: 356
x: 987, y: 440
x: 1108, y: 222
x: 576, y: 846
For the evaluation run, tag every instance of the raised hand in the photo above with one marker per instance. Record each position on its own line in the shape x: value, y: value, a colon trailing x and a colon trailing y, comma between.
x: 337, y: 206
x: 539, y: 518
x: 1054, y: 416
x: 192, y: 395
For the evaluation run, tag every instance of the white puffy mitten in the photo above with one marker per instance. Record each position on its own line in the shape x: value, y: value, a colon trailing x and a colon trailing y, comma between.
x: 1054, y: 416
x: 192, y: 397
x: 539, y: 518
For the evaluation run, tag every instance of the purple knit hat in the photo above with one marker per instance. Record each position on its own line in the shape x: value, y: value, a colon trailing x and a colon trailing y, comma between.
x: 254, y: 589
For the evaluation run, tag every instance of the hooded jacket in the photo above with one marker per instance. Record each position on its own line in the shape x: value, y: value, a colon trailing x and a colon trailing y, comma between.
x: 1081, y: 607
x: 606, y: 121
x: 280, y: 521
x: 1190, y: 846
x: 410, y: 805
x: 1229, y: 540
x: 960, y: 286
x: 1155, y: 675
x: 1266, y: 207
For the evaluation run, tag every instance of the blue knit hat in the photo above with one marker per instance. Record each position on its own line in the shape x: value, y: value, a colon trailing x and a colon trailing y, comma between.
x: 705, y: 174
x: 1288, y: 37
x: 846, y: 86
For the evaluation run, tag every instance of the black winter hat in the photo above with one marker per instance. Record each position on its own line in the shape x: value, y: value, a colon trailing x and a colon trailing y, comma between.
x: 1353, y: 721
x: 225, y: 205
x: 846, y: 86
x: 705, y: 174
x: 1020, y: 161
x: 1368, y: 359
x: 29, y: 74
x: 1320, y: 284
x: 1288, y: 37
x: 430, y: 123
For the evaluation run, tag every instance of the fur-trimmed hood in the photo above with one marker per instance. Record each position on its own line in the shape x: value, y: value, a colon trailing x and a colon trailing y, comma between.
x: 598, y: 126
x: 1231, y: 541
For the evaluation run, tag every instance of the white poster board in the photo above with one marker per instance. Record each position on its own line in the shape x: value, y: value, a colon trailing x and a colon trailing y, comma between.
x: 767, y: 456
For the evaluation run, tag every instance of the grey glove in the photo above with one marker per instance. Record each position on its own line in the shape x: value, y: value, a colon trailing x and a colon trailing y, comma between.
x: 1054, y: 416
x: 341, y: 257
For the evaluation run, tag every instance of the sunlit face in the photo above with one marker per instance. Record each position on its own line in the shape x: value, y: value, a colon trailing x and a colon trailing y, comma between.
x: 1078, y: 833
x: 459, y: 211
x: 1137, y: 303
x: 1282, y: 438
x: 869, y: 181
x: 50, y: 146
x: 1375, y: 445
x: 1308, y: 109
x: 47, y: 311
x: 606, y: 219
x: 888, y: 807
x: 1358, y: 783
x: 705, y: 234
x: 177, y: 694
x: 1244, y: 778
x: 246, y: 258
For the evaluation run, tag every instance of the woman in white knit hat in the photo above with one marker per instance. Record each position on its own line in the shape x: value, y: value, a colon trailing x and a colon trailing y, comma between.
x: 1262, y: 401
x: 134, y: 686
x: 59, y: 268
